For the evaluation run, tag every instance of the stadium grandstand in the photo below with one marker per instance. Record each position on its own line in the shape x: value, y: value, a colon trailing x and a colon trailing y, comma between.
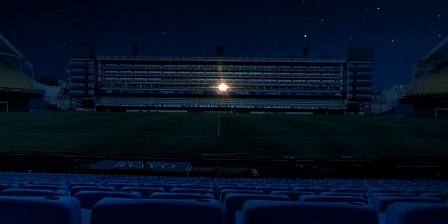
x: 430, y: 74
x: 220, y: 83
x: 126, y: 83
x: 428, y: 91
x: 17, y: 89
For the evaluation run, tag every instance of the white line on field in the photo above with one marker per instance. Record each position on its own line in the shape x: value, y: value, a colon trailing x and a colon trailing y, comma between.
x: 196, y: 136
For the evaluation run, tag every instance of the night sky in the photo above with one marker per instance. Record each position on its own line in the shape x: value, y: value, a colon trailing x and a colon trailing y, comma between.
x: 400, y: 31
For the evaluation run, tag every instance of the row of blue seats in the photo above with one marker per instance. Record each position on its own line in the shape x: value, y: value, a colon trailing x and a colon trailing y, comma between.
x: 12, y: 175
x: 52, y: 210
x: 218, y: 191
x: 232, y: 194
x: 207, y: 181
x: 115, y: 181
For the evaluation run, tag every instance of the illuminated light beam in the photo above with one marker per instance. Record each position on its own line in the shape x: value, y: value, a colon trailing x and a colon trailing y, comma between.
x: 223, y: 87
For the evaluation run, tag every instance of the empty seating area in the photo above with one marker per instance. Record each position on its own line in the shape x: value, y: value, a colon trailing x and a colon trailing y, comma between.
x: 246, y: 78
x: 221, y: 102
x: 10, y: 78
x: 126, y: 101
x: 96, y: 198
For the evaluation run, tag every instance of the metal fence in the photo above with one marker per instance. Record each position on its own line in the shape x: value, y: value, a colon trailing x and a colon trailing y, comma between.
x: 53, y: 103
x: 380, y: 107
x: 375, y: 167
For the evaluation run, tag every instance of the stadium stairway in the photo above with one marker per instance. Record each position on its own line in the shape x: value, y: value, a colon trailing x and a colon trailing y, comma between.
x: 36, y: 198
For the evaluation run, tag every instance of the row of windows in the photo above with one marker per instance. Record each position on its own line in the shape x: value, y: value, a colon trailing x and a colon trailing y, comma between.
x: 81, y: 78
x: 170, y: 73
x: 81, y: 63
x: 133, y: 78
x: 233, y: 85
x: 81, y: 92
x: 78, y: 72
x: 81, y: 84
x: 211, y: 87
x: 336, y: 67
x: 224, y: 80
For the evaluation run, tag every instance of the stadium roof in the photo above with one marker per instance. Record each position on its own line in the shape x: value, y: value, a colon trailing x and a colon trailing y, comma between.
x: 439, y: 52
x: 8, y: 50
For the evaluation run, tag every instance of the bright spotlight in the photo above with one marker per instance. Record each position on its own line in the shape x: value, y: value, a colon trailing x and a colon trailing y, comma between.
x: 222, y: 87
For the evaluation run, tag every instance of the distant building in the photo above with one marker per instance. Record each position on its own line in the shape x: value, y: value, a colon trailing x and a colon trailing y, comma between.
x: 318, y: 85
x: 220, y: 83
x: 17, y: 90
x: 430, y: 73
x: 83, y: 78
x: 427, y: 95
x: 360, y: 74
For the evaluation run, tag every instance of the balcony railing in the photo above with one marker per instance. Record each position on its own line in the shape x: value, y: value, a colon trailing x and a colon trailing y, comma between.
x: 360, y: 91
x: 442, y: 90
x: 362, y: 83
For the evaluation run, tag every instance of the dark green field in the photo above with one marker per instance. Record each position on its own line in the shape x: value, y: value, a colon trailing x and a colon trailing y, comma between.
x: 248, y: 135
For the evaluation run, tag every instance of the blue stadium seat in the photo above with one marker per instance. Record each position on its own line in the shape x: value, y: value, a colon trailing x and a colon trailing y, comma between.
x: 118, y: 186
x: 44, y: 187
x: 293, y: 195
x: 90, y: 198
x: 383, y: 190
x: 7, y: 186
x: 76, y: 184
x: 49, y: 182
x: 196, y: 186
x: 380, y: 203
x: 120, y: 211
x: 354, y: 186
x: 39, y: 210
x: 228, y: 191
x: 421, y: 191
x: 269, y: 189
x: 170, y: 195
x: 343, y: 194
x: 392, y: 195
x: 191, y: 190
x: 316, y: 190
x: 349, y: 190
x: 287, y: 212
x: 77, y: 189
x: 323, y: 198
x: 442, y: 196
x: 203, y: 180
x: 220, y: 188
x: 301, y: 185
x: 33, y: 192
x: 417, y: 213
x: 144, y: 191
x: 234, y: 202
x: 167, y: 187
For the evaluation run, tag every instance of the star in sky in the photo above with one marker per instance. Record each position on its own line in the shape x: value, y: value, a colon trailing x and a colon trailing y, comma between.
x: 250, y: 28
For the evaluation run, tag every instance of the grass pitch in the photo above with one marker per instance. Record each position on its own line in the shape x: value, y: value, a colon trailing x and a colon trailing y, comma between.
x: 248, y: 135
